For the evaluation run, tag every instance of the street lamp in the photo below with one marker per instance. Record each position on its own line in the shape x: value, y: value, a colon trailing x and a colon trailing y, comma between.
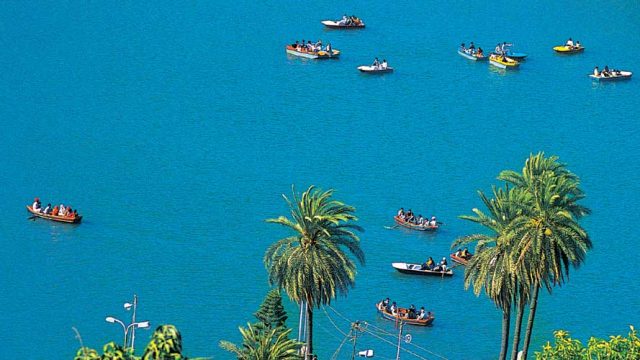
x: 132, y: 326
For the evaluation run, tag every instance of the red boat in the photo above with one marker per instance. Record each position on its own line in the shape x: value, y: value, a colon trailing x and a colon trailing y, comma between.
x: 460, y: 260
x: 413, y: 226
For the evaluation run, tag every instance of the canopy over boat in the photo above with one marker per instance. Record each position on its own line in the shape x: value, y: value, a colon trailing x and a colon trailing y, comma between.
x: 358, y: 24
x: 564, y: 49
x: 375, y: 69
x: 64, y: 219
x: 313, y: 54
x: 413, y: 226
x: 416, y: 269
x: 402, y: 315
x: 613, y: 76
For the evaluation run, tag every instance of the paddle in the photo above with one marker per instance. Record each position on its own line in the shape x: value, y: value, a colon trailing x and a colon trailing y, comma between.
x: 391, y: 227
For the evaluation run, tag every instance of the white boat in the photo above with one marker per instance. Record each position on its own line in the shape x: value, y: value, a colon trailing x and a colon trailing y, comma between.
x: 375, y: 69
x: 337, y: 25
x: 313, y: 54
x: 473, y: 57
x: 613, y: 76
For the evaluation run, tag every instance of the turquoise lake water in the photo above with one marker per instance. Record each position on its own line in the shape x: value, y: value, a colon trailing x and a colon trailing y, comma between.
x: 176, y: 127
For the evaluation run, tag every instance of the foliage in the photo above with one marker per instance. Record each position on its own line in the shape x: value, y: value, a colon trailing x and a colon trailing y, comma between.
x: 271, y: 314
x: 165, y: 344
x: 85, y: 353
x: 266, y: 344
x: 616, y: 348
x: 113, y: 351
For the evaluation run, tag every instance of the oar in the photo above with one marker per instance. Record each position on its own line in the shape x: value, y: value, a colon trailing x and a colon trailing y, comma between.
x: 391, y: 227
x: 32, y: 217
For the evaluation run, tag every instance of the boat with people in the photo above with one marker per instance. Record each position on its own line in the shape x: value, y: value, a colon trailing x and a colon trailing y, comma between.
x: 610, y: 75
x: 462, y: 257
x: 505, y: 49
x: 410, y: 316
x: 569, y: 47
x: 347, y: 22
x: 410, y: 221
x: 418, y: 269
x: 471, y: 52
x: 311, y: 50
x: 54, y: 213
x: 503, y: 62
x: 376, y: 68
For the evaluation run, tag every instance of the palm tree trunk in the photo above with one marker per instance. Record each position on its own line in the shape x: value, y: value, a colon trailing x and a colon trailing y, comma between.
x: 517, y: 330
x: 532, y: 315
x: 309, y: 330
x: 506, y: 323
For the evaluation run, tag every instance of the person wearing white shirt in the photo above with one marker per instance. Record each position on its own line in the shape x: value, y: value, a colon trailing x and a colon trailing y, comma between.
x: 384, y: 64
x: 570, y: 42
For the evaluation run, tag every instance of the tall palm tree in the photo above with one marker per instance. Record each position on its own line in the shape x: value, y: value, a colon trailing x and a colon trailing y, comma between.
x: 313, y: 264
x: 264, y: 344
x: 547, y: 236
x: 492, y: 268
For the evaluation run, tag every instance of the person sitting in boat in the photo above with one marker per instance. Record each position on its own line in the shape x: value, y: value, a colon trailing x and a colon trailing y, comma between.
x: 463, y: 48
x: 498, y: 49
x: 605, y: 71
x: 472, y: 47
x: 328, y: 49
x: 310, y: 46
x: 55, y: 210
x: 343, y: 21
x: 433, y: 221
x: 63, y: 210
x: 393, y: 309
x: 385, y: 303
x: 596, y: 71
x: 318, y: 44
x: 36, y: 206
x: 384, y: 64
x: 569, y: 43
x: 420, y: 220
x: 465, y: 254
x: 428, y: 265
x: 458, y: 253
x: 401, y: 213
x: 47, y: 209
x: 74, y: 215
x: 442, y: 266
x: 479, y: 53
x: 411, y: 313
x: 578, y: 45
x: 376, y: 63
x: 422, y: 314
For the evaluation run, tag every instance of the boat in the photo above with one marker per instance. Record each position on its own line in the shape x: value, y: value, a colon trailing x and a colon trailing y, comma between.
x: 613, y: 76
x: 401, y: 316
x: 64, y: 219
x: 413, y: 226
x: 564, y: 49
x: 459, y: 260
x: 375, y: 69
x: 472, y: 56
x: 358, y: 24
x: 313, y: 54
x: 516, y: 55
x: 416, y: 269
x: 503, y: 62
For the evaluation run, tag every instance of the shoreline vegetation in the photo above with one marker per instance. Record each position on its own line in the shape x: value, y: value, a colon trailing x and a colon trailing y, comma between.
x: 531, y: 238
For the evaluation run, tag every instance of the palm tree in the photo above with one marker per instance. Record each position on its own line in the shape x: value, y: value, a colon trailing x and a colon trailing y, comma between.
x: 264, y: 344
x: 312, y: 265
x: 492, y: 268
x: 548, y: 237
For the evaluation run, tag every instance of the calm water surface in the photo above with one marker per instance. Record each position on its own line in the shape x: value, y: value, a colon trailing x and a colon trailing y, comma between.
x: 175, y: 128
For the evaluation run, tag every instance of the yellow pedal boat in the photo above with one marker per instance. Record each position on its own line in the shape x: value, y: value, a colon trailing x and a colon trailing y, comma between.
x: 503, y: 62
x: 564, y: 49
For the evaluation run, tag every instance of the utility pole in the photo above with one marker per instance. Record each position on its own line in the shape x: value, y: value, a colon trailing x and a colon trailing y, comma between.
x: 399, y: 339
x: 355, y: 327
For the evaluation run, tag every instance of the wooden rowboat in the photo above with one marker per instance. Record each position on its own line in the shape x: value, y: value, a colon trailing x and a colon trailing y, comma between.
x: 412, y: 226
x: 64, y: 219
x: 336, y: 25
x: 313, y: 54
x: 416, y: 269
x: 564, y: 49
x: 459, y: 260
x: 402, y: 316
x: 615, y: 76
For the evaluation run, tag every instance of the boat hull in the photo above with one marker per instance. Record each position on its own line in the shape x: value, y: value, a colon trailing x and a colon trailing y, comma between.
x: 414, y: 269
x: 414, y: 226
x: 458, y: 259
x: 568, y: 49
x: 62, y: 219
x: 471, y: 57
x: 373, y: 70
x: 499, y: 63
x: 334, y: 25
x: 400, y: 316
x: 624, y: 75
x: 312, y: 55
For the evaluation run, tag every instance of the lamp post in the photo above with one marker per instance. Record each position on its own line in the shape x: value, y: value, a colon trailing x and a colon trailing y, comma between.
x: 132, y: 326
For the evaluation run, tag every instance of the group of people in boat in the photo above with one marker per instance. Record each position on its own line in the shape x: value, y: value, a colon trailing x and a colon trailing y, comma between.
x: 431, y: 265
x: 64, y: 211
x: 573, y: 45
x: 349, y: 21
x: 311, y: 47
x: 380, y: 65
x: 463, y: 254
x: 409, y: 217
x: 606, y: 72
x: 391, y: 307
x: 471, y: 50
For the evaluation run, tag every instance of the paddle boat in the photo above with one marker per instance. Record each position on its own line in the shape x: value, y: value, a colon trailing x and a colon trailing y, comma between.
x: 321, y: 54
x: 402, y: 315
x: 503, y: 62
x: 416, y: 269
x: 615, y: 75
x: 63, y: 219
x: 350, y: 22
x: 413, y: 226
x: 565, y: 49
x: 505, y: 49
x: 515, y: 55
x: 459, y: 259
x: 472, y: 55
x: 375, y: 69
